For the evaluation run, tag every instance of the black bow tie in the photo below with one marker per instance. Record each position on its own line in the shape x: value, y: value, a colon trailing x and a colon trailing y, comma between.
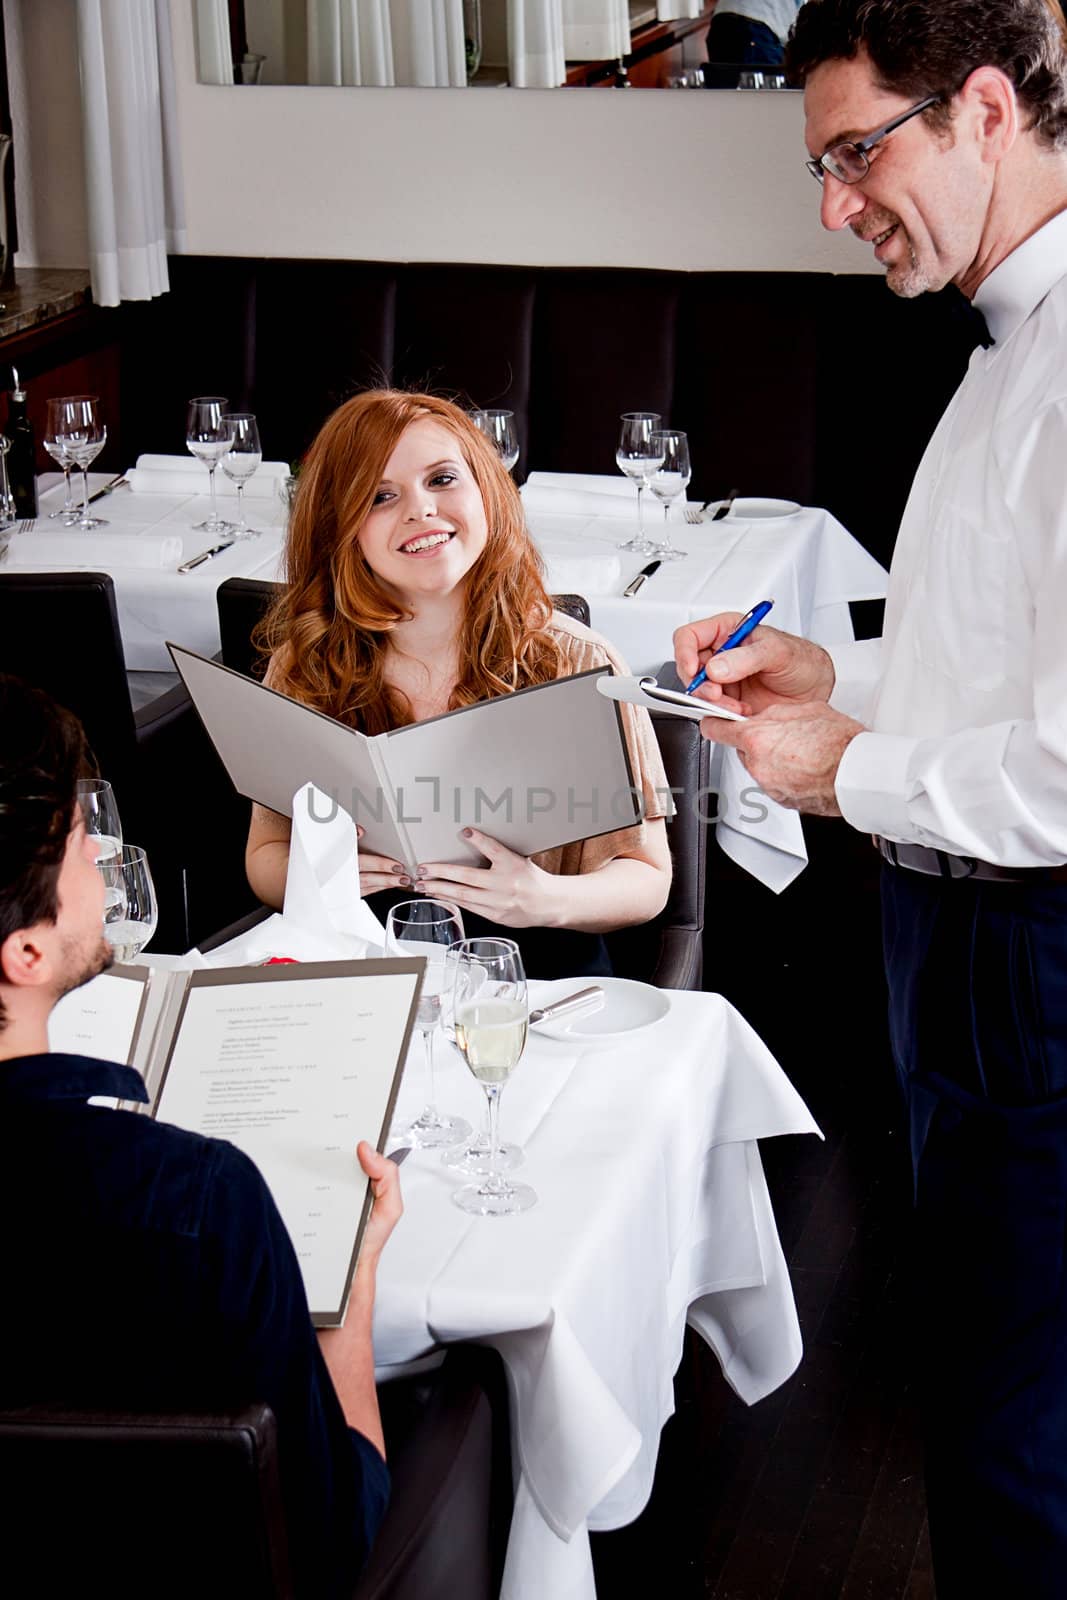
x: 966, y: 314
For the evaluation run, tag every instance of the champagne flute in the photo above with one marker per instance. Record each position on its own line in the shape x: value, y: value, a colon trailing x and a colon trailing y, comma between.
x: 668, y: 483
x: 491, y: 1013
x: 83, y: 436
x: 208, y: 436
x: 56, y: 447
x: 636, y: 458
x: 499, y: 426
x: 427, y: 928
x: 472, y: 1157
x: 129, y: 933
x: 239, y: 463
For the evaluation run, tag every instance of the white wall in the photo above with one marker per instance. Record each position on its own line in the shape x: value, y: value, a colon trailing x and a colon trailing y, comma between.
x: 530, y: 177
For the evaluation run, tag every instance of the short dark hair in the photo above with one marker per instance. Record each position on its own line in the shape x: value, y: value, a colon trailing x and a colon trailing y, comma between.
x: 43, y: 753
x: 923, y: 47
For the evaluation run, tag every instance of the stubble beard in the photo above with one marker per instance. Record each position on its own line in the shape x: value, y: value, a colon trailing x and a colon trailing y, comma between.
x: 81, y: 967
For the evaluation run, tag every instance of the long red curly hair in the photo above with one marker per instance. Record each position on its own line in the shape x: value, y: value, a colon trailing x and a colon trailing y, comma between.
x: 331, y: 622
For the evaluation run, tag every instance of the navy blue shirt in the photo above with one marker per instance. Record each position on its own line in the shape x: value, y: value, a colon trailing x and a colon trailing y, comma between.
x: 147, y: 1267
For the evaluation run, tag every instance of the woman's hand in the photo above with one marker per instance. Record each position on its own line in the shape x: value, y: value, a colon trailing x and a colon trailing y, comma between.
x: 511, y: 890
x: 379, y: 872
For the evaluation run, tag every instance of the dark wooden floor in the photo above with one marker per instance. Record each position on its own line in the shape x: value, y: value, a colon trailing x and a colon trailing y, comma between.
x: 816, y: 1493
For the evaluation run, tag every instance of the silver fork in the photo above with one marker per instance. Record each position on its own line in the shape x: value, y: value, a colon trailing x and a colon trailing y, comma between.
x: 693, y: 514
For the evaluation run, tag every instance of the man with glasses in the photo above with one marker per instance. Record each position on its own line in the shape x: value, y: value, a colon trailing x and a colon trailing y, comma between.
x: 938, y: 132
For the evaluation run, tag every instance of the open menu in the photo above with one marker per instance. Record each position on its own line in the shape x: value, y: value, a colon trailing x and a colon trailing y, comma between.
x: 538, y: 768
x: 294, y: 1064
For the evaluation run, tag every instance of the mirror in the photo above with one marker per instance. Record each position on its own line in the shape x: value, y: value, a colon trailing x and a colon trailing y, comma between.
x: 490, y: 43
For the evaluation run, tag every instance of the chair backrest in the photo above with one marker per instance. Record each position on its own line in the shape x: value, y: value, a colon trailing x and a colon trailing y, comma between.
x: 141, y: 1505
x: 60, y: 632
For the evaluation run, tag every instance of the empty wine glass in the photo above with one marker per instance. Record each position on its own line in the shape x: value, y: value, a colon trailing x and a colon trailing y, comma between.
x: 129, y: 933
x: 7, y: 499
x: 100, y: 813
x: 208, y: 436
x: 491, y: 1015
x: 239, y: 463
x: 669, y: 482
x: 636, y: 458
x: 427, y: 928
x: 56, y: 447
x: 499, y: 426
x: 83, y: 436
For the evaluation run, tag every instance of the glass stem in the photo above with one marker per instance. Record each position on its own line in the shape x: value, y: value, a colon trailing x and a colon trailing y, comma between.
x: 494, y: 1181
x: 68, y: 501
x: 430, y: 1114
x: 240, y: 504
x: 640, y: 511
x: 211, y: 481
x: 85, y: 496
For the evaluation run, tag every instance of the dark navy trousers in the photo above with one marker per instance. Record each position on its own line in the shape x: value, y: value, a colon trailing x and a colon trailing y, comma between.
x: 978, y: 1021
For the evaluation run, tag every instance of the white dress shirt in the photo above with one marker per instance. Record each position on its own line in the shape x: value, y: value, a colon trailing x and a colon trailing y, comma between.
x: 778, y: 15
x: 967, y: 698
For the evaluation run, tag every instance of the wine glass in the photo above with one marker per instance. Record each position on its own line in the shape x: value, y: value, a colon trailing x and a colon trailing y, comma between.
x: 83, y: 436
x: 56, y: 447
x: 499, y: 426
x: 472, y: 1157
x: 208, y: 436
x: 100, y: 812
x: 427, y: 928
x: 668, y: 483
x: 636, y: 457
x: 7, y: 499
x: 239, y: 463
x: 491, y: 1013
x: 129, y: 933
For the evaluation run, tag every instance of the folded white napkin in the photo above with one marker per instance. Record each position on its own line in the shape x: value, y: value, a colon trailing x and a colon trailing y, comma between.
x: 155, y: 474
x: 322, y: 891
x: 89, y: 551
x: 756, y: 832
x: 567, y: 572
x: 563, y: 493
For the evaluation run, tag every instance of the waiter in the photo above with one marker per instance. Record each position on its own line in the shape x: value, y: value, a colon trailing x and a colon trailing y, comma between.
x: 937, y: 130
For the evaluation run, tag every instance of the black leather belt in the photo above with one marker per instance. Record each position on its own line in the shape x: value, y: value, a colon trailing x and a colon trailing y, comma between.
x: 940, y: 864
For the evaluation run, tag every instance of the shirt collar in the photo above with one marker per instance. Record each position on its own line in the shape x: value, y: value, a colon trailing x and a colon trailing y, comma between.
x: 1023, y: 279
x: 56, y: 1076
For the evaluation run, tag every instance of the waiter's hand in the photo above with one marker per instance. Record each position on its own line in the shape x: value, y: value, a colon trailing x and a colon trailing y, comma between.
x: 770, y: 668
x: 791, y: 751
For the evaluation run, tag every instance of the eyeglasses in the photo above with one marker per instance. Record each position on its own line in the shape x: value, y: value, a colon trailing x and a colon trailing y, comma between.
x: 848, y: 162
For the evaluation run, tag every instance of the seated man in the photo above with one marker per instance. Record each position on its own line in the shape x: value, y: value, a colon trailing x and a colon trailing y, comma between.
x: 146, y: 1268
x: 746, y: 33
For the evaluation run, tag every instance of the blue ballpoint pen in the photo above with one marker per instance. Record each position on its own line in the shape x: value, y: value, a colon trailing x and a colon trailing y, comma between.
x: 750, y: 620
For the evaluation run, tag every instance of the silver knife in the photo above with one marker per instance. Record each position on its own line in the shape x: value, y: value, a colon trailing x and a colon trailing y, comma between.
x: 399, y: 1156
x: 205, y: 555
x: 646, y: 572
x: 116, y: 483
x: 591, y: 999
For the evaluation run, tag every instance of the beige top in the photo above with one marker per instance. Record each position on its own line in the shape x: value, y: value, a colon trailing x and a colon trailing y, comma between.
x: 583, y: 650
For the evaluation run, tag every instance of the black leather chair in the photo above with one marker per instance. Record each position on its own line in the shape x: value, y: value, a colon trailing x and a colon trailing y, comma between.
x: 168, y: 1506
x: 60, y: 632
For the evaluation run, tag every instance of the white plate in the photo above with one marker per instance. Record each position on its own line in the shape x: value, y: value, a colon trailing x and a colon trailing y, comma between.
x: 751, y: 510
x: 628, y: 1006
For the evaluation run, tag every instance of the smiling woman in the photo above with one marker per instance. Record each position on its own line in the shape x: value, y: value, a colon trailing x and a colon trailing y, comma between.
x: 413, y: 590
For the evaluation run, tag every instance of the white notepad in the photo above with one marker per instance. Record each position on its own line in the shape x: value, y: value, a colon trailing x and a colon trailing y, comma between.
x: 648, y: 693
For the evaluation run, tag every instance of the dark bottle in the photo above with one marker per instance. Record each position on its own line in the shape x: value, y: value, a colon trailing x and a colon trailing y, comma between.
x: 21, y: 465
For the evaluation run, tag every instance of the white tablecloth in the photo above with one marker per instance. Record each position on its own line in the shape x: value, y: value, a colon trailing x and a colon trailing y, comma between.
x: 653, y: 1211
x: 807, y: 563
x: 155, y: 605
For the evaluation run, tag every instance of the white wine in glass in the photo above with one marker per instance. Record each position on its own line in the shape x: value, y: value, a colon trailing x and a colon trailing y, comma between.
x: 128, y: 934
x: 491, y: 1013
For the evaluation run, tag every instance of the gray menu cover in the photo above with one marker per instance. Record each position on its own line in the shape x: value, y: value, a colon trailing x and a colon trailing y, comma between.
x: 535, y: 769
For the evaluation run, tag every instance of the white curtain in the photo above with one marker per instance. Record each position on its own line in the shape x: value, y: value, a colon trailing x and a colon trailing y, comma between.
x: 536, y: 55
x: 133, y: 171
x: 350, y: 42
x: 214, y: 50
x: 428, y: 47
